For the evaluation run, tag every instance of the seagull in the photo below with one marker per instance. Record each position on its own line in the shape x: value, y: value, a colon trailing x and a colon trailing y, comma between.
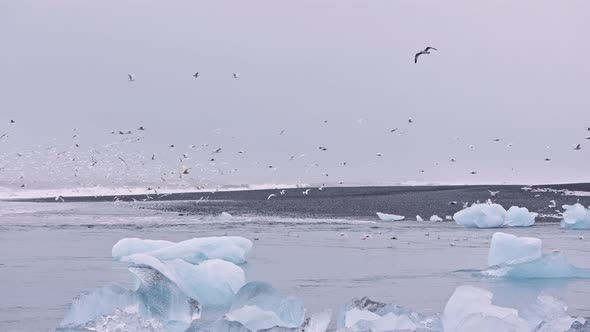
x: 410, y: 120
x: 496, y: 140
x: 282, y: 131
x: 547, y: 159
x: 426, y: 51
x: 282, y: 192
x: 552, y: 203
x: 587, y: 137
x: 141, y: 128
x: 270, y: 196
x: 236, y: 75
x: 306, y: 192
x: 453, y: 160
x: 196, y: 75
x: 473, y: 172
x: 493, y: 193
x: 59, y: 198
x: 12, y: 121
x: 131, y: 78
x: 379, y: 154
x: 578, y: 147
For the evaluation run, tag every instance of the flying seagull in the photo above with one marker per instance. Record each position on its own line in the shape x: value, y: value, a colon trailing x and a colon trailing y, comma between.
x: 131, y: 78
x: 426, y: 51
x: 196, y: 75
x: 12, y: 121
x: 236, y: 75
x: 578, y: 147
x: 494, y: 193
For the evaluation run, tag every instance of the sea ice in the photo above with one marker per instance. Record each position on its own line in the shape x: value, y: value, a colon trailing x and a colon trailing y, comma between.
x: 494, y: 216
x: 418, y: 218
x: 576, y: 217
x: 389, y: 217
x: 510, y: 249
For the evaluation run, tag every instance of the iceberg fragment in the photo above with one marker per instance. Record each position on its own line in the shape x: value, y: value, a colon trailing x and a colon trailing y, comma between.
x: 522, y: 258
x: 471, y: 309
x: 435, y: 218
x: 389, y: 217
x: 418, y: 218
x: 576, y: 217
x: 128, y: 320
x: 228, y: 248
x: 257, y: 305
x: 510, y: 249
x: 519, y: 217
x: 212, y: 283
x: 494, y: 216
x: 367, y: 315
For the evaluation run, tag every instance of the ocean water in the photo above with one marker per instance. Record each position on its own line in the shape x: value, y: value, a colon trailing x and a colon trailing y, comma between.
x: 50, y: 253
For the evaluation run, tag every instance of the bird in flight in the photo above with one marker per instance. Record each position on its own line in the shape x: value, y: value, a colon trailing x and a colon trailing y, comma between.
x: 131, y: 78
x: 426, y: 51
x: 578, y: 147
x: 236, y: 75
x: 196, y: 75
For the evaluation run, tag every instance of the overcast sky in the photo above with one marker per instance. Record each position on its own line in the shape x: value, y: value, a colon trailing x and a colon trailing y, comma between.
x: 514, y: 70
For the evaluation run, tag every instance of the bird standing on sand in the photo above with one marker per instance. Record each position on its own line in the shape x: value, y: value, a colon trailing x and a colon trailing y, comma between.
x: 426, y: 51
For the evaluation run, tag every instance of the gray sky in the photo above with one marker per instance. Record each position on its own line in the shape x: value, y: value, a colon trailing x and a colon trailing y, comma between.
x: 514, y: 70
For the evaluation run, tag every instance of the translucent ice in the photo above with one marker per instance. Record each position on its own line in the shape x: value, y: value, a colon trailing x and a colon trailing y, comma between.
x: 228, y: 248
x: 389, y: 217
x: 522, y: 258
x: 128, y: 319
x: 554, y: 265
x: 471, y: 309
x: 212, y: 283
x: 258, y: 305
x: 494, y: 216
x: 507, y: 248
x: 367, y: 315
x: 576, y: 217
x: 418, y: 218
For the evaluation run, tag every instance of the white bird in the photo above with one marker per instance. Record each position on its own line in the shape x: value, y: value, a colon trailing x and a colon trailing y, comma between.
x: 426, y: 51
x: 270, y: 196
x: 131, y: 78
x: 552, y: 203
x: 236, y: 75
x: 494, y: 193
x: 282, y: 192
x: 306, y: 192
x: 59, y: 198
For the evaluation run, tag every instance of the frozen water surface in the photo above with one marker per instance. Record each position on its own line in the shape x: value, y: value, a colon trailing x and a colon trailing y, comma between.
x: 51, y: 253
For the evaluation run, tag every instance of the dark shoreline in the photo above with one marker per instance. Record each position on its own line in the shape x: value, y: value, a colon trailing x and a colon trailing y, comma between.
x: 350, y: 202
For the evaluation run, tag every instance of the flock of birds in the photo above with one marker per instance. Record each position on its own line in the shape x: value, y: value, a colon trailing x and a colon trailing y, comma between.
x: 97, y: 154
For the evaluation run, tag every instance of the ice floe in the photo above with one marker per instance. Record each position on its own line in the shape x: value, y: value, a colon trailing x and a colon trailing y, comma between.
x: 494, y: 216
x: 575, y: 217
x: 389, y: 217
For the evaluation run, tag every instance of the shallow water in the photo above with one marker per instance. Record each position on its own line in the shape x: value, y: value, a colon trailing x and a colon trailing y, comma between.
x: 49, y: 253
